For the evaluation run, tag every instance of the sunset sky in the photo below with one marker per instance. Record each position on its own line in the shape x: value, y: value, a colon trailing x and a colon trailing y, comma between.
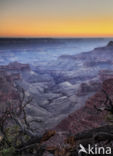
x: 56, y: 18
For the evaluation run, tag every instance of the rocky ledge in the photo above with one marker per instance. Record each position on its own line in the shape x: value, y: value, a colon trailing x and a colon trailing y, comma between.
x: 87, y: 119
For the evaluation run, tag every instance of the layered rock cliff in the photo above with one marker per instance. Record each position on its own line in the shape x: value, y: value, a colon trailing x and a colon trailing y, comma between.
x: 86, y: 119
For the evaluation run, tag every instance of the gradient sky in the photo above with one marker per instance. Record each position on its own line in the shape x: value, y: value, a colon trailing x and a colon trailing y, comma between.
x: 56, y: 18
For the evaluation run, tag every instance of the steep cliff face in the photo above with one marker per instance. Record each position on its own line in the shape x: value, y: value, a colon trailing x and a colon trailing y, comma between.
x: 110, y: 44
x: 88, y: 117
x: 8, y: 75
x: 7, y: 89
x: 85, y: 120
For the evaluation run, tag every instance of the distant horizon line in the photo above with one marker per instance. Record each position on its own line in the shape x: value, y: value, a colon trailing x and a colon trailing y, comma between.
x: 49, y: 37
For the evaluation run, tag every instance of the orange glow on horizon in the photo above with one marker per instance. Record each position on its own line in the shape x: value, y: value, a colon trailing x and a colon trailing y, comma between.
x: 55, y: 35
x: 48, y: 18
x: 57, y: 29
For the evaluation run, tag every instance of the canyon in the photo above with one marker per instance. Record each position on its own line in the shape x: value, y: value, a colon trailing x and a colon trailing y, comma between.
x: 61, y: 87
